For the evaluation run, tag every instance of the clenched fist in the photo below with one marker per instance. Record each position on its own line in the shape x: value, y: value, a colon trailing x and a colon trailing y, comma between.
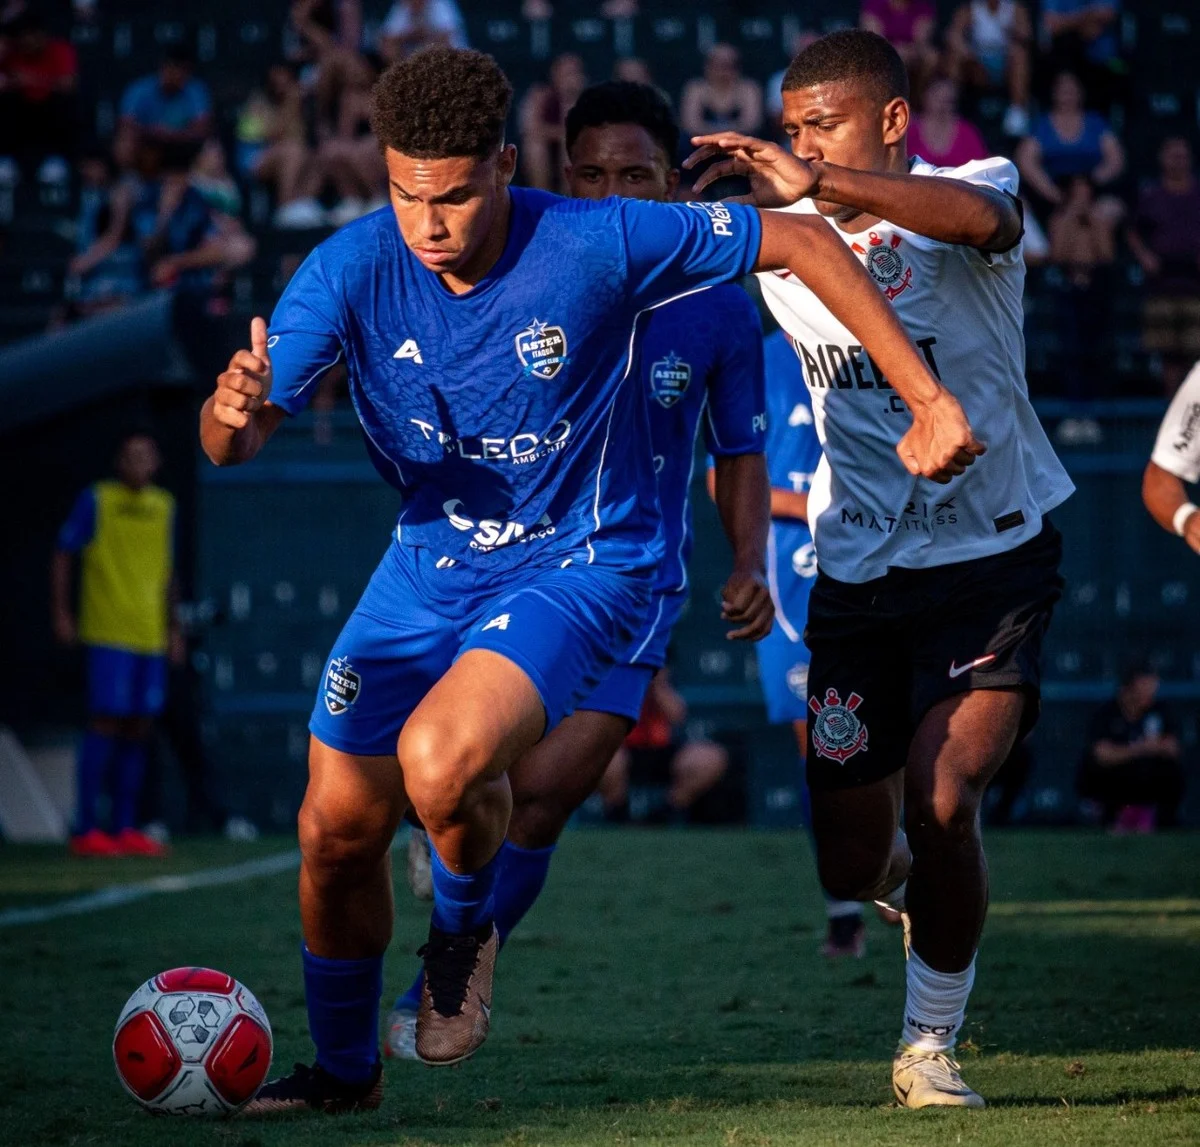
x: 246, y: 385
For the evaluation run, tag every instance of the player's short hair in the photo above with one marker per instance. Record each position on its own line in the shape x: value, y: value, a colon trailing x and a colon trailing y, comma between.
x: 623, y: 101
x: 850, y: 54
x: 441, y: 103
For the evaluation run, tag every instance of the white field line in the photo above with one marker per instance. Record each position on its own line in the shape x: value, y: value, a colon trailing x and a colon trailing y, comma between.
x: 116, y: 894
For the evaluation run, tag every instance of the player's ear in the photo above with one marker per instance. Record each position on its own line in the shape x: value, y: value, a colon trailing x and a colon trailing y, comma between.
x: 506, y: 165
x: 895, y: 121
x: 672, y: 183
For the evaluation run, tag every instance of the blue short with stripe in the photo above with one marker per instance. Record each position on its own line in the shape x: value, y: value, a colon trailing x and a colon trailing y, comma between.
x: 125, y: 684
x: 783, y: 658
x: 564, y: 624
x: 624, y: 689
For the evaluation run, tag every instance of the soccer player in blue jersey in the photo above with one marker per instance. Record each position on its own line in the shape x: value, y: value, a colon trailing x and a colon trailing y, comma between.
x: 486, y: 332
x: 699, y: 361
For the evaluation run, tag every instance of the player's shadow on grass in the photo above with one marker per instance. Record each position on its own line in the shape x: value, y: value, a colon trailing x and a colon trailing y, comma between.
x: 1109, y: 1099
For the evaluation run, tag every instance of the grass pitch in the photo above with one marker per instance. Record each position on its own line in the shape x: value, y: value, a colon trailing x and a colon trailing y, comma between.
x: 665, y: 990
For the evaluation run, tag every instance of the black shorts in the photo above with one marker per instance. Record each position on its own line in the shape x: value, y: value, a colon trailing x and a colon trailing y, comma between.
x: 885, y: 651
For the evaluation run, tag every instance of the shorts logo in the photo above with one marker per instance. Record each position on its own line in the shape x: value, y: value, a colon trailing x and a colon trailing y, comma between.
x: 342, y: 686
x: 669, y: 378
x: 542, y: 350
x: 797, y: 679
x: 837, y: 733
x: 886, y: 265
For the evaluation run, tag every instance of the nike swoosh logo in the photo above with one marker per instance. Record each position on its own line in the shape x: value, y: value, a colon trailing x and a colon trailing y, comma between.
x: 959, y: 670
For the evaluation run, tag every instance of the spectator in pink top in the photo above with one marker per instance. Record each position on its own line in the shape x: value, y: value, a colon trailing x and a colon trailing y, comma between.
x: 909, y: 26
x: 939, y: 134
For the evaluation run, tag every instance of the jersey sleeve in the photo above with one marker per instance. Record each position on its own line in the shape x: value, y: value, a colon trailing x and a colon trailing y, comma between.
x: 674, y: 248
x: 1177, y: 448
x: 996, y: 173
x: 80, y: 526
x: 735, y: 418
x: 305, y: 336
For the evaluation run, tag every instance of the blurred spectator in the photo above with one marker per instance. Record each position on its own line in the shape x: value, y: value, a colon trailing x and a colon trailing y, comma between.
x: 273, y: 149
x: 542, y: 115
x: 1068, y: 141
x: 106, y: 270
x: 318, y: 24
x: 721, y: 100
x: 653, y: 755
x: 988, y: 50
x: 348, y: 155
x: 171, y: 108
x: 211, y: 178
x: 1165, y: 239
x: 633, y: 70
x: 123, y: 533
x: 939, y: 134
x: 1081, y: 235
x: 909, y: 26
x: 1082, y: 38
x: 1131, y: 774
x: 415, y: 24
x: 38, y: 82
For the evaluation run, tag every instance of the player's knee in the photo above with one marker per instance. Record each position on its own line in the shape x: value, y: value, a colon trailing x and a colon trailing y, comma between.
x: 950, y: 812
x: 441, y: 767
x: 340, y: 844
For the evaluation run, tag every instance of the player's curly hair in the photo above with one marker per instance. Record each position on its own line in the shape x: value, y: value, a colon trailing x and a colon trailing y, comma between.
x: 850, y: 54
x: 618, y: 101
x: 441, y: 102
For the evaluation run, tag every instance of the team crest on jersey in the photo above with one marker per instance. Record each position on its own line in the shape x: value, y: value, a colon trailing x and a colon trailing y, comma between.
x: 542, y: 350
x: 885, y: 264
x: 836, y: 731
x: 669, y: 379
x: 342, y: 686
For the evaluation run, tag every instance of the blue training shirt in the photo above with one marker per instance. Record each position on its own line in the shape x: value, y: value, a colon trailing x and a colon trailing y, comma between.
x: 793, y: 449
x: 701, y: 359
x: 506, y: 415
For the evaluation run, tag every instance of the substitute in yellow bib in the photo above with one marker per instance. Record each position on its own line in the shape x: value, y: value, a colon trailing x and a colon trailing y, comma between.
x: 122, y: 532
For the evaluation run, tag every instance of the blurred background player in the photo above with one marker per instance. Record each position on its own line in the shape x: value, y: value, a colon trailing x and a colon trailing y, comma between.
x: 657, y: 754
x: 698, y: 360
x: 1176, y: 460
x: 122, y: 532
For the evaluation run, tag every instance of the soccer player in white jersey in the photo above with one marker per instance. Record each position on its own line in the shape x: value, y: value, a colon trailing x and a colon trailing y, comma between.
x: 927, y: 617
x: 1176, y: 460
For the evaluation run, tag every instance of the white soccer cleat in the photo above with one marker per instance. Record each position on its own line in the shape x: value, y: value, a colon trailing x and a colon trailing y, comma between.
x: 420, y: 868
x: 930, y: 1079
x: 401, y: 1034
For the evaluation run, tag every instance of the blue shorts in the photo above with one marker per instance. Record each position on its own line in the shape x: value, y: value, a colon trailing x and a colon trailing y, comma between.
x: 621, y: 692
x: 124, y: 684
x: 563, y: 626
x: 783, y: 658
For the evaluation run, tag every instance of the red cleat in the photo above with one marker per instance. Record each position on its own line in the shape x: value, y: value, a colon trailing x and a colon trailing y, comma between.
x: 93, y: 843
x: 130, y: 842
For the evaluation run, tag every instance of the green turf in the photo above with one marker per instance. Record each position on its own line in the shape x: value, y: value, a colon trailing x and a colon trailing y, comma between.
x: 666, y: 990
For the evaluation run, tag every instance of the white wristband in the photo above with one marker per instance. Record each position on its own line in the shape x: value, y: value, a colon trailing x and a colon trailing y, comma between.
x: 1181, y: 516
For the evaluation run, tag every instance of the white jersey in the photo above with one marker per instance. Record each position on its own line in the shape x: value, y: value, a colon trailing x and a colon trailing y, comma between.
x: 962, y: 308
x: 1177, y: 448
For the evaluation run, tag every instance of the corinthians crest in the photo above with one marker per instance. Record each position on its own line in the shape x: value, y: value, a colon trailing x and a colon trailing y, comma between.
x: 669, y: 378
x: 836, y: 732
x: 885, y: 264
x: 542, y: 350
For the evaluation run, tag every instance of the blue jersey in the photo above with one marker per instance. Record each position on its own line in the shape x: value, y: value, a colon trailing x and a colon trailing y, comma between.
x: 793, y: 449
x: 701, y: 359
x: 506, y: 415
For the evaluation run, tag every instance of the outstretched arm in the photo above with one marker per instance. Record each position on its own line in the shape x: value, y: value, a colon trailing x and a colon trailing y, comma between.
x: 1166, y: 498
x: 940, y: 444
x: 947, y: 210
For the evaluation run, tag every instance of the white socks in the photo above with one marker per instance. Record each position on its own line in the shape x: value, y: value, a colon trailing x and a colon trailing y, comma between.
x: 835, y: 909
x: 933, y: 1011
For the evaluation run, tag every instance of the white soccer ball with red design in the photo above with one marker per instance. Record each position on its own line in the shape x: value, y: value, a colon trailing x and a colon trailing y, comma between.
x: 192, y: 1041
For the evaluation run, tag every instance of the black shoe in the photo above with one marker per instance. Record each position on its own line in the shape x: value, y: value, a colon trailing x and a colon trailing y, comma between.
x: 314, y: 1089
x: 456, y: 1000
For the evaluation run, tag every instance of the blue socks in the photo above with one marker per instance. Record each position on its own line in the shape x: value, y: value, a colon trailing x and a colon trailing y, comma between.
x: 343, y: 1013
x: 521, y: 876
x: 130, y: 768
x: 463, y: 903
x: 90, y: 771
